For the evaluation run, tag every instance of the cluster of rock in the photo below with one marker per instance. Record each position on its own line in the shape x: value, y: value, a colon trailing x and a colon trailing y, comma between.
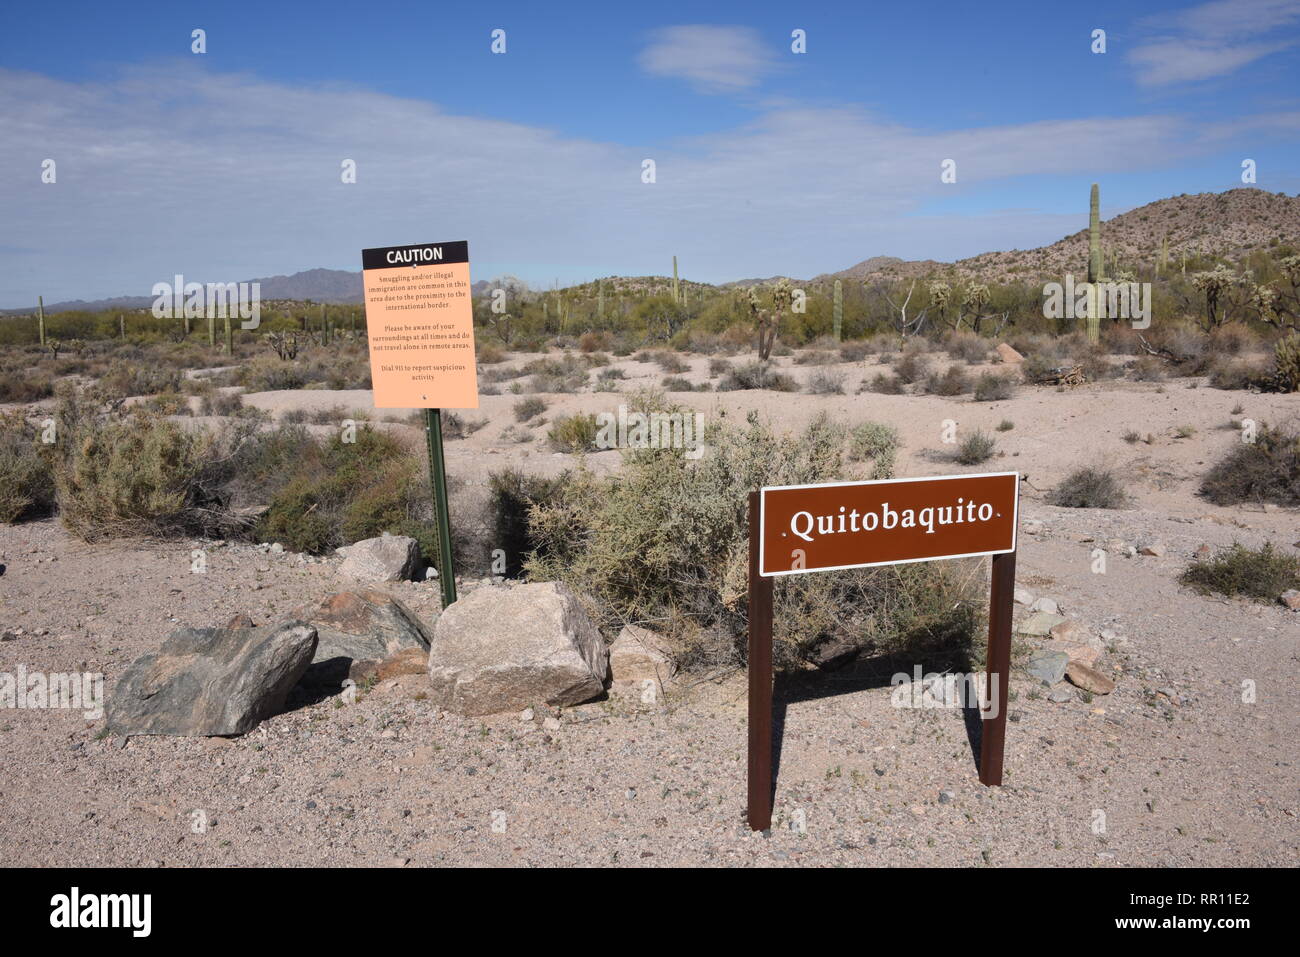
x: 1069, y: 651
x: 499, y: 648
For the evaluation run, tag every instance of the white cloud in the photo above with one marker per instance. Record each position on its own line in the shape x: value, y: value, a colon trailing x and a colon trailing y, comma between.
x: 715, y: 59
x: 1213, y: 39
x: 174, y: 168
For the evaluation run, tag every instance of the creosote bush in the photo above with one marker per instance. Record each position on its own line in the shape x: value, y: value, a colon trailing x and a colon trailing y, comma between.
x: 976, y: 448
x: 1263, y: 471
x: 530, y: 408
x: 665, y: 543
x: 1259, y: 574
x: 1089, y: 488
x: 26, y: 477
x: 992, y: 388
x: 573, y: 433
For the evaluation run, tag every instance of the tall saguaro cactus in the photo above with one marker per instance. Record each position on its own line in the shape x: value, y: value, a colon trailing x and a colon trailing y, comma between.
x: 40, y: 317
x: 676, y: 297
x: 837, y: 311
x: 1094, y: 265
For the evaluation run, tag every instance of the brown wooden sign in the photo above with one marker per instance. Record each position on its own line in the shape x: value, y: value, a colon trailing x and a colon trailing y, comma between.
x: 808, y: 528
x: 795, y: 529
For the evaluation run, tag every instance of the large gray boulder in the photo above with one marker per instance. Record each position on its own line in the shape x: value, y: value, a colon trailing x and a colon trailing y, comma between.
x: 211, y: 681
x: 356, y: 630
x: 504, y: 648
x: 388, y: 558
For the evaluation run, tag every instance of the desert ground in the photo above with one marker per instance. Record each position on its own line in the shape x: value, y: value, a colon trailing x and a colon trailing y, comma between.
x: 1173, y: 768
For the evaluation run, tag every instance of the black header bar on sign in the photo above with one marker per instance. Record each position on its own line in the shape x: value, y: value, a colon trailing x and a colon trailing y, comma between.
x: 421, y: 254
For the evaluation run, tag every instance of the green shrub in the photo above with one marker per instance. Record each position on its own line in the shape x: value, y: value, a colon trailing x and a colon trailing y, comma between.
x: 872, y: 440
x: 756, y: 375
x: 20, y: 386
x: 952, y: 382
x: 512, y: 496
x: 976, y: 448
x: 1286, y: 364
x: 531, y: 408
x: 1260, y: 574
x: 911, y: 367
x: 573, y: 433
x: 666, y: 541
x: 826, y: 382
x: 992, y: 388
x: 138, y: 475
x: 26, y: 476
x: 1266, y: 470
x: 1089, y: 488
x: 885, y: 384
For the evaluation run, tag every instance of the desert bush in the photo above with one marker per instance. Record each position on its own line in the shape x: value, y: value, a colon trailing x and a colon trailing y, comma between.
x: 595, y: 342
x: 1259, y: 574
x: 815, y: 357
x: 877, y: 442
x: 826, y: 382
x: 136, y: 475
x: 855, y: 351
x: 885, y: 384
x: 718, y: 367
x: 977, y: 447
x: 992, y: 388
x: 756, y: 375
x: 26, y: 471
x: 1147, y: 369
x: 512, y: 495
x: 666, y: 541
x: 335, y: 492
x: 677, y: 383
x: 1038, y: 366
x: 954, y: 381
x: 457, y: 426
x: 1238, y: 374
x: 131, y: 378
x: 490, y: 354
x: 668, y: 361
x: 19, y: 386
x: 1006, y: 425
x: 530, y: 408
x: 573, y: 433
x: 566, y: 374
x: 1266, y: 470
x: 967, y: 347
x: 1286, y: 364
x: 911, y: 366
x: 1089, y: 488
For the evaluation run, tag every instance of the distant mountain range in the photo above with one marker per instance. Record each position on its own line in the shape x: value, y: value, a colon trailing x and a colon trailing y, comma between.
x: 1221, y: 224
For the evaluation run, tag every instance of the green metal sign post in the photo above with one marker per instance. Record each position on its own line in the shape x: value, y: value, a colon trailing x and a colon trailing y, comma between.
x: 438, y: 477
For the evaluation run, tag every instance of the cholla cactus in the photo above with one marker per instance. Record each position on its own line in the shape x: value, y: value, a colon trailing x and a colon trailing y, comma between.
x: 940, y: 298
x: 1286, y: 360
x: 1214, y: 283
x: 54, y: 345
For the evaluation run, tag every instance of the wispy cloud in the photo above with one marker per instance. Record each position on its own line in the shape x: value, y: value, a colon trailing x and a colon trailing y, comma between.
x: 1213, y: 39
x: 230, y: 177
x: 715, y: 59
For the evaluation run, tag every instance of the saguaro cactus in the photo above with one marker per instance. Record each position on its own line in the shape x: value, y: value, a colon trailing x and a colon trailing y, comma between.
x: 230, y: 337
x: 40, y: 317
x: 837, y: 311
x: 676, y: 297
x: 212, y: 330
x: 1094, y: 265
x: 600, y: 299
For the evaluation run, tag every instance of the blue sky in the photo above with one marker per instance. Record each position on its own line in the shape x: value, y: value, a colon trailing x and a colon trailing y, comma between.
x: 226, y: 165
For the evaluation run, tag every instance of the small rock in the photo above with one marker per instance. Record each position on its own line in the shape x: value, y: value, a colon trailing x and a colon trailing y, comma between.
x: 1155, y: 551
x: 1048, y: 605
x: 551, y: 724
x: 1039, y: 624
x: 1290, y: 598
x: 1007, y: 354
x: 1061, y: 696
x: 945, y: 797
x: 1023, y: 596
x: 634, y: 656
x: 526, y: 715
x: 1202, y: 552
x: 277, y: 549
x: 1089, y: 679
x: 1048, y: 666
x: 388, y: 558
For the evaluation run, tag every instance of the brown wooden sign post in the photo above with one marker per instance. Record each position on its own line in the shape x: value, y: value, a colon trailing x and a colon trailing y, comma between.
x: 795, y: 529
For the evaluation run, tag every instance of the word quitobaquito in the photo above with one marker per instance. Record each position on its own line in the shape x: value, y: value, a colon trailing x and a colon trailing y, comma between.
x: 930, y: 517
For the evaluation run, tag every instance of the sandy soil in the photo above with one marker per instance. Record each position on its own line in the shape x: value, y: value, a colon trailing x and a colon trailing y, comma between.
x: 1182, y: 769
